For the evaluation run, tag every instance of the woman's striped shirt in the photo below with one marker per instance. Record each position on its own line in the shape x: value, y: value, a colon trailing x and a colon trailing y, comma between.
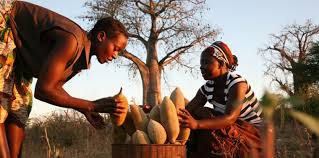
x: 251, y: 110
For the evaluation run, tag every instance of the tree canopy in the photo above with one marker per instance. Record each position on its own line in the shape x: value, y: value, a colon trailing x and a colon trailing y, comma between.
x: 289, y: 60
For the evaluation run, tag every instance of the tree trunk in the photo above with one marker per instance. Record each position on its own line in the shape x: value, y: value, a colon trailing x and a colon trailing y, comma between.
x: 282, y: 116
x: 154, y: 88
x: 153, y: 96
x: 145, y: 81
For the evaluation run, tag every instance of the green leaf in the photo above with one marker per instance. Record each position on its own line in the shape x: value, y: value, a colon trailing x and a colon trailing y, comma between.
x: 309, y: 121
x: 295, y: 101
x: 270, y: 100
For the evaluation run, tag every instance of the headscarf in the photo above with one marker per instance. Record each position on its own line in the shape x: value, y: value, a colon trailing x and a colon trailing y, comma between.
x: 222, y: 52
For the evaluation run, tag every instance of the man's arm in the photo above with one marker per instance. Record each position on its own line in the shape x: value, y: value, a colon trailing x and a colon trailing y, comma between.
x: 50, y: 81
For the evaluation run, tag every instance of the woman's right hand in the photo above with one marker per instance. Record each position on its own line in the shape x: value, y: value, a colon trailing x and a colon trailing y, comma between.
x: 186, y: 119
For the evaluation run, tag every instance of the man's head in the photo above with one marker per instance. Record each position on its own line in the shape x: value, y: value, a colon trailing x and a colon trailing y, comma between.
x: 108, y: 37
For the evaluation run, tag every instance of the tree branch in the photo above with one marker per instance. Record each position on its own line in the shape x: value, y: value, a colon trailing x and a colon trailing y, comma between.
x: 284, y: 87
x: 172, y: 52
x: 282, y: 53
x: 283, y: 67
x: 164, y: 7
x: 139, y: 63
x: 140, y: 38
x: 162, y: 29
x: 168, y: 61
x: 165, y: 60
x: 137, y: 2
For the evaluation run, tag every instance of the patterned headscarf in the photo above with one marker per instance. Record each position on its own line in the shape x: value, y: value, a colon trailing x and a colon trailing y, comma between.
x: 223, y: 53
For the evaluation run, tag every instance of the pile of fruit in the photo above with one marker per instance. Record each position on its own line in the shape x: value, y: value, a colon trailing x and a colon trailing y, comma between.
x: 160, y: 126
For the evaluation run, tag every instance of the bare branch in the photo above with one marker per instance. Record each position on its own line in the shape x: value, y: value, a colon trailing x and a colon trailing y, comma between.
x: 163, y: 28
x: 139, y: 38
x: 164, y: 7
x: 137, y: 2
x: 284, y: 87
x: 139, y: 63
x: 172, y: 52
x: 287, y: 52
x: 180, y: 52
x: 282, y: 53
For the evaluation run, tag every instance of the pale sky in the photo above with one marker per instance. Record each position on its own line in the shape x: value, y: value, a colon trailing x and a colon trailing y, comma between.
x: 245, y: 25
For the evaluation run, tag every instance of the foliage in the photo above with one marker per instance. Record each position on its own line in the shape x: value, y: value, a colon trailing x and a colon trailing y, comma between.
x: 310, y: 68
x: 287, y: 55
x: 307, y: 120
x: 271, y: 101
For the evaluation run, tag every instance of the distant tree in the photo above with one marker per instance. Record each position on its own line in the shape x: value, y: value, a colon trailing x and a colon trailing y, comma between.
x: 310, y: 72
x: 289, y: 61
x: 292, y: 61
x: 311, y: 67
x: 162, y: 33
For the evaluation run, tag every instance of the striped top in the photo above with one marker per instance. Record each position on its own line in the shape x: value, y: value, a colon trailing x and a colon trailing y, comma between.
x: 251, y: 110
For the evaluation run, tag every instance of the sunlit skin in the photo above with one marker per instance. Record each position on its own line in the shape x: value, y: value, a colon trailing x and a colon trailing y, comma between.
x: 211, y: 69
x: 51, y: 78
x: 49, y: 86
x: 106, y: 49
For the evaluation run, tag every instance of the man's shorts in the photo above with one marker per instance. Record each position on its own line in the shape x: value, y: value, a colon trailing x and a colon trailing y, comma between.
x: 15, y: 89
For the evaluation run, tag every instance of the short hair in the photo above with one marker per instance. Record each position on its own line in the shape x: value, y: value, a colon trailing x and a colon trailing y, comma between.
x: 110, y: 26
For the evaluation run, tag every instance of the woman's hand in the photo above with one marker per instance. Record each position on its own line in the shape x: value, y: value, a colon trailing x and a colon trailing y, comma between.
x: 186, y: 120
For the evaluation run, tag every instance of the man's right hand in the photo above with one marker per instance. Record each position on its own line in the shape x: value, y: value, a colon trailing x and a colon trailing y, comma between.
x: 110, y: 105
x: 95, y: 119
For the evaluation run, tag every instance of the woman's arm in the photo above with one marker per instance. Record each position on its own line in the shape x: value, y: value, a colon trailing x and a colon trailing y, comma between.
x: 233, y: 107
x: 198, y: 101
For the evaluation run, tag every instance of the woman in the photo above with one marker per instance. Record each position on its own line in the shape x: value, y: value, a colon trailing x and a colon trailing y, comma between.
x: 229, y: 126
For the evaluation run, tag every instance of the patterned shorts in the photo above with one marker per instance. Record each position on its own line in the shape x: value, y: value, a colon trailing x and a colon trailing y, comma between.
x: 15, y: 89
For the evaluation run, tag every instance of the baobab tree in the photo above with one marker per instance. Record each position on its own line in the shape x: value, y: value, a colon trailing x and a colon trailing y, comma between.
x: 162, y: 33
x: 287, y: 54
x: 292, y: 63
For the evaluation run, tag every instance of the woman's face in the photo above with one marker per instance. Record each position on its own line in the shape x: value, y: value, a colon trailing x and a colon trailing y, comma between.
x: 209, y: 66
x: 107, y: 49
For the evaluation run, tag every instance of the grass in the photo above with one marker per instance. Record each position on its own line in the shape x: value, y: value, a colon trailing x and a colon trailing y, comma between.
x: 70, y: 135
x: 293, y: 141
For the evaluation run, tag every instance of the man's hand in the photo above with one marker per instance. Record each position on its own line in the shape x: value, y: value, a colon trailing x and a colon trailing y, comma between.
x: 104, y: 105
x: 95, y: 119
x: 110, y: 105
x: 120, y: 106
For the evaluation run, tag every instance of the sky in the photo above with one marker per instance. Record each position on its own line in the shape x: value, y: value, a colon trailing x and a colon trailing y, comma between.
x: 246, y: 27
